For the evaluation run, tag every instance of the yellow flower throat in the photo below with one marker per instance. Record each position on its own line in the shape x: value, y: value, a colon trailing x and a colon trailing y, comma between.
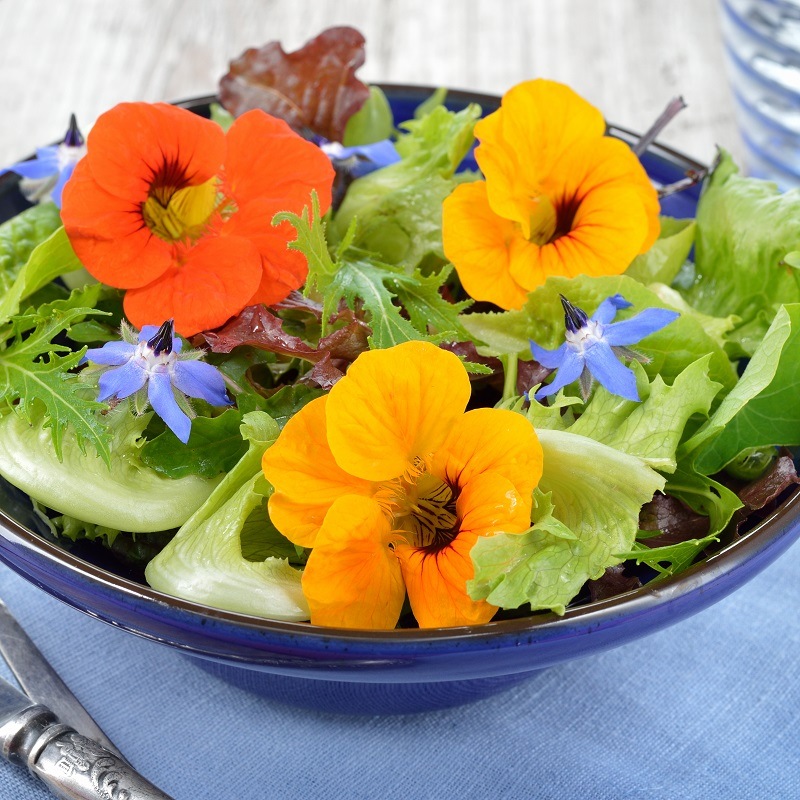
x: 178, y: 215
x: 422, y: 506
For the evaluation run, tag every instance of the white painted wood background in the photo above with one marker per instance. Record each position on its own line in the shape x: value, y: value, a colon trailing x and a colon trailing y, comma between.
x: 629, y: 57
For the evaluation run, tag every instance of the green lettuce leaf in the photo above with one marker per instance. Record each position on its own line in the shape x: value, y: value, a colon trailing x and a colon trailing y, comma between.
x: 205, y: 562
x: 122, y: 494
x: 399, y: 208
x: 653, y: 428
x: 360, y: 280
x: 373, y: 122
x: 671, y: 349
x: 48, y: 260
x: 20, y: 235
x: 35, y: 373
x: 591, y: 515
x: 215, y: 445
x: 663, y: 261
x: 763, y: 408
x: 745, y: 227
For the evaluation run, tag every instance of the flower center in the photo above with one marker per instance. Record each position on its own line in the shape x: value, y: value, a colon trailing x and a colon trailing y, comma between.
x: 424, y: 508
x: 543, y: 220
x: 177, y: 215
x: 584, y: 337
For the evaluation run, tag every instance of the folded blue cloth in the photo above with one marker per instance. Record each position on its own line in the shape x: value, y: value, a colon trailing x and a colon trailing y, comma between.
x: 706, y: 709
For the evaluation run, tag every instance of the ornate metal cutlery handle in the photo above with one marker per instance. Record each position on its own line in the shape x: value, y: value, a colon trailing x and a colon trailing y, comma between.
x: 72, y: 766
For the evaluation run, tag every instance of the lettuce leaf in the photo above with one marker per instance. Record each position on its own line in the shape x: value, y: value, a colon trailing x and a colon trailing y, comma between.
x: 20, y: 235
x: 123, y: 494
x: 663, y: 261
x: 745, y: 227
x: 205, y: 562
x: 671, y: 349
x: 587, y: 512
x: 763, y: 408
x: 359, y: 279
x: 399, y: 207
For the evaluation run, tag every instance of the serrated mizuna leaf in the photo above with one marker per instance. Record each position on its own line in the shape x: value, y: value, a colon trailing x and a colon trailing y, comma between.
x: 420, y: 296
x: 360, y: 280
x: 32, y: 370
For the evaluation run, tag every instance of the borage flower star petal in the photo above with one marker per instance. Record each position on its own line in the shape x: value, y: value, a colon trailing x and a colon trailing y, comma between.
x: 153, y: 364
x: 593, y: 347
x: 559, y: 198
x: 170, y: 208
x: 392, y: 483
x: 45, y: 176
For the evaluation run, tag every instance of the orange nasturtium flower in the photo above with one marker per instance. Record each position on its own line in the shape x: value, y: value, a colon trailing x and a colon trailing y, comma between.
x: 391, y: 484
x: 559, y: 198
x: 177, y: 212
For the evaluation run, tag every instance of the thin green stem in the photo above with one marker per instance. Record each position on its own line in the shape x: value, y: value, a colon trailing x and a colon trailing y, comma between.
x: 510, y: 372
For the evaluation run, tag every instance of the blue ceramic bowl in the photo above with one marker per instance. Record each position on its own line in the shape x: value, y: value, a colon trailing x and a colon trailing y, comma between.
x: 397, y: 671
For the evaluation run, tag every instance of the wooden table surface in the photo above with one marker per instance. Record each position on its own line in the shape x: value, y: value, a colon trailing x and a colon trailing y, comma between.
x: 628, y: 57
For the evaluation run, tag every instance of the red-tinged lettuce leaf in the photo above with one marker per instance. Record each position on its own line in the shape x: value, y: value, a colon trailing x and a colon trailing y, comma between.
x: 770, y: 486
x: 257, y: 327
x: 671, y: 520
x: 297, y: 301
x: 313, y: 88
x: 323, y: 375
x: 615, y: 580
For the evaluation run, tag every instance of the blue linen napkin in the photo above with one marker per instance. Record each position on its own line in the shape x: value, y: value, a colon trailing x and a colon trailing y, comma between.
x: 706, y: 709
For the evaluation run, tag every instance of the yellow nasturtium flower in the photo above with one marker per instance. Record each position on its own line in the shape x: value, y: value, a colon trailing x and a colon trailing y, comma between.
x: 391, y: 483
x: 559, y: 198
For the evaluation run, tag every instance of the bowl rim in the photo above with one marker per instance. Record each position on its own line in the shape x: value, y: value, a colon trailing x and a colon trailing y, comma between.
x: 591, y: 614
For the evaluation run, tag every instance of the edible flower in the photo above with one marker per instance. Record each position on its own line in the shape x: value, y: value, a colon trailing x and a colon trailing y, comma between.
x: 594, y: 346
x: 170, y: 208
x: 392, y: 483
x: 559, y: 198
x: 44, y: 177
x: 360, y: 159
x: 152, y: 368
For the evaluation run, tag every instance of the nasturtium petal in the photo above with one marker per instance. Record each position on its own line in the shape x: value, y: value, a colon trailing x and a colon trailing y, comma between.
x: 151, y: 133
x: 491, y: 440
x: 259, y: 144
x: 306, y: 478
x: 436, y: 585
x: 215, y: 281
x: 353, y: 578
x: 124, y: 240
x: 394, y: 406
x: 481, y: 243
x: 491, y: 503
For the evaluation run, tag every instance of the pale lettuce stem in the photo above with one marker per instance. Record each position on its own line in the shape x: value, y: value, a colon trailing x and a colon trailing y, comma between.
x: 510, y: 372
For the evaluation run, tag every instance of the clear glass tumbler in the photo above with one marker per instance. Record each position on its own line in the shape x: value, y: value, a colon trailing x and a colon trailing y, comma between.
x: 762, y: 48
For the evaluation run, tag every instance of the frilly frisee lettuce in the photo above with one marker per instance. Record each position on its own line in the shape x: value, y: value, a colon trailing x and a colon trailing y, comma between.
x: 204, y: 562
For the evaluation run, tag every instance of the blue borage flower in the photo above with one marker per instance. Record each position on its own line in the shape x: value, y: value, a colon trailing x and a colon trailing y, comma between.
x: 594, y: 346
x: 153, y: 359
x: 44, y: 177
x: 362, y: 159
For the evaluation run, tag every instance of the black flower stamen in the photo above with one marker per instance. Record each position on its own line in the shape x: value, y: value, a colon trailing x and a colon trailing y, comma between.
x: 73, y: 137
x: 574, y: 318
x: 162, y: 340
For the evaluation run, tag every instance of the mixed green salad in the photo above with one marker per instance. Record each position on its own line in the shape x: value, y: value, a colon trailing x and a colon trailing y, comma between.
x: 643, y: 459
